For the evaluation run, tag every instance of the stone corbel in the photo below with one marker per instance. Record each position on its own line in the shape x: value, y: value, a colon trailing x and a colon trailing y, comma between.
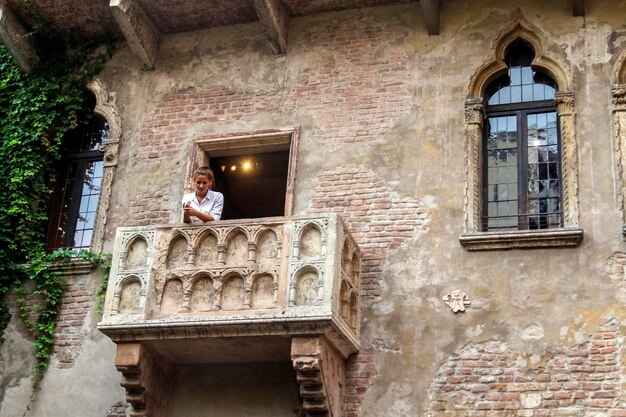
x: 321, y: 374
x: 140, y: 32
x: 144, y: 377
x: 16, y: 40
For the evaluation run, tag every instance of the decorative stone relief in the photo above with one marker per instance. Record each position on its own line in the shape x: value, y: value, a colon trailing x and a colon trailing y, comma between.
x: 233, y: 293
x: 311, y: 244
x: 178, y: 253
x: 226, y: 269
x: 172, y: 300
x: 130, y: 296
x: 237, y: 249
x: 457, y: 300
x: 619, y: 121
x: 307, y: 288
x: 263, y: 291
x: 207, y: 251
x: 136, y: 255
x: 202, y: 294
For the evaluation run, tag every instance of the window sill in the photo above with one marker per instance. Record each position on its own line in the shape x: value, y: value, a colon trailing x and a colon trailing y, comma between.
x: 72, y: 267
x: 522, y: 239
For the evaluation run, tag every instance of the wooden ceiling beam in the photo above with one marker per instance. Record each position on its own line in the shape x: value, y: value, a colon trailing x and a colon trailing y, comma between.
x: 141, y: 34
x: 15, y: 38
x: 430, y: 11
x: 275, y: 21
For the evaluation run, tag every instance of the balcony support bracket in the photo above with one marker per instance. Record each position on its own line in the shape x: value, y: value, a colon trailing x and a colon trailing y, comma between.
x: 321, y: 374
x: 144, y: 377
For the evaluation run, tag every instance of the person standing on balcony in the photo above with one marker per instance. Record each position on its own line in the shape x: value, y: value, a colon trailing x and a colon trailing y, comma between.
x: 204, y: 204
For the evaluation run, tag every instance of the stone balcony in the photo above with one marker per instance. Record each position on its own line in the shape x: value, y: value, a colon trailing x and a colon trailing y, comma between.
x: 236, y: 291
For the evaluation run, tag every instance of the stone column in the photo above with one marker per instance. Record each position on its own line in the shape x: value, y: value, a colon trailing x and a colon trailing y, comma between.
x: 569, y: 158
x: 619, y: 119
x: 474, y: 119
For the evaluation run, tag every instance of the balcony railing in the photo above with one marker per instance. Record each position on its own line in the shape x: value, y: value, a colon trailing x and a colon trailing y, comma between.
x: 294, y: 276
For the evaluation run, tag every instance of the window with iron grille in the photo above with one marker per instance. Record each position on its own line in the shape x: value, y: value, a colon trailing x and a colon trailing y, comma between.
x: 76, y: 191
x: 521, y: 153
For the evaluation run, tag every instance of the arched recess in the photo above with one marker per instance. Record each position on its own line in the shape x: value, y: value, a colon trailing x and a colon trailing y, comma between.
x: 618, y: 93
x: 475, y: 114
x: 105, y: 107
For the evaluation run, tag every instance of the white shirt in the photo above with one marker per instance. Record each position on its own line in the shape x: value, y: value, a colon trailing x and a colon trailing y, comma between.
x: 212, y: 203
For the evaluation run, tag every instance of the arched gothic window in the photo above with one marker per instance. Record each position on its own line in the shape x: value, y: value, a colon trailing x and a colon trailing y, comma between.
x: 521, y: 170
x: 76, y: 191
x: 521, y: 149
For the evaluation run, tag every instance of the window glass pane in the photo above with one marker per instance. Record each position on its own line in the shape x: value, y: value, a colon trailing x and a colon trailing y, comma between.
x: 522, y: 144
x: 522, y: 83
x: 502, y: 198
x: 72, y: 211
x: 543, y: 173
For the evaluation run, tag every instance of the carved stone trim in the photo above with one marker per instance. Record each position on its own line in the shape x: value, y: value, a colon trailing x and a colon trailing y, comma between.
x: 522, y: 239
x: 457, y: 300
x: 105, y: 107
x: 194, y: 328
x: 569, y: 158
x: 474, y: 126
x: 320, y: 374
x: 544, y: 60
x: 145, y: 378
x: 619, y: 125
x: 73, y: 267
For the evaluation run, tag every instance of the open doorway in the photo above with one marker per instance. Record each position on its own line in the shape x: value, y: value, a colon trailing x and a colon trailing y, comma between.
x: 253, y: 185
x: 255, y: 172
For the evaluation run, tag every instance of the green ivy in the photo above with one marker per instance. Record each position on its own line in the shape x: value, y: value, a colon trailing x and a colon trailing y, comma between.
x: 36, y: 111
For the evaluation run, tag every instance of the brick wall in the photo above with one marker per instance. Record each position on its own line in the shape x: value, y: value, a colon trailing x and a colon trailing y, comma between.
x: 380, y: 220
x: 351, y: 95
x: 487, y: 380
x: 70, y: 332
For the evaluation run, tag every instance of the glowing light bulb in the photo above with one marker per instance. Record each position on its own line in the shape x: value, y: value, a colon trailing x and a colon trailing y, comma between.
x: 247, y: 166
x: 233, y: 167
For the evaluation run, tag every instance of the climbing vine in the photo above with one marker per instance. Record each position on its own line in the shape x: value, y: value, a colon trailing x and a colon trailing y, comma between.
x: 36, y: 111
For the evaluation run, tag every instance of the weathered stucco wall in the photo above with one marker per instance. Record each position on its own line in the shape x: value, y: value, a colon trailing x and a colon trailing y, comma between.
x: 380, y: 105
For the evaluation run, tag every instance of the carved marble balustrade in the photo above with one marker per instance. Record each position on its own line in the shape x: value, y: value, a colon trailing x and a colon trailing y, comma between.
x: 236, y: 291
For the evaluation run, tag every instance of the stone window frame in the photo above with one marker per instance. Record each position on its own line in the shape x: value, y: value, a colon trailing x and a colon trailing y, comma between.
x: 473, y: 238
x: 618, y: 96
x: 203, y: 148
x: 106, y: 108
